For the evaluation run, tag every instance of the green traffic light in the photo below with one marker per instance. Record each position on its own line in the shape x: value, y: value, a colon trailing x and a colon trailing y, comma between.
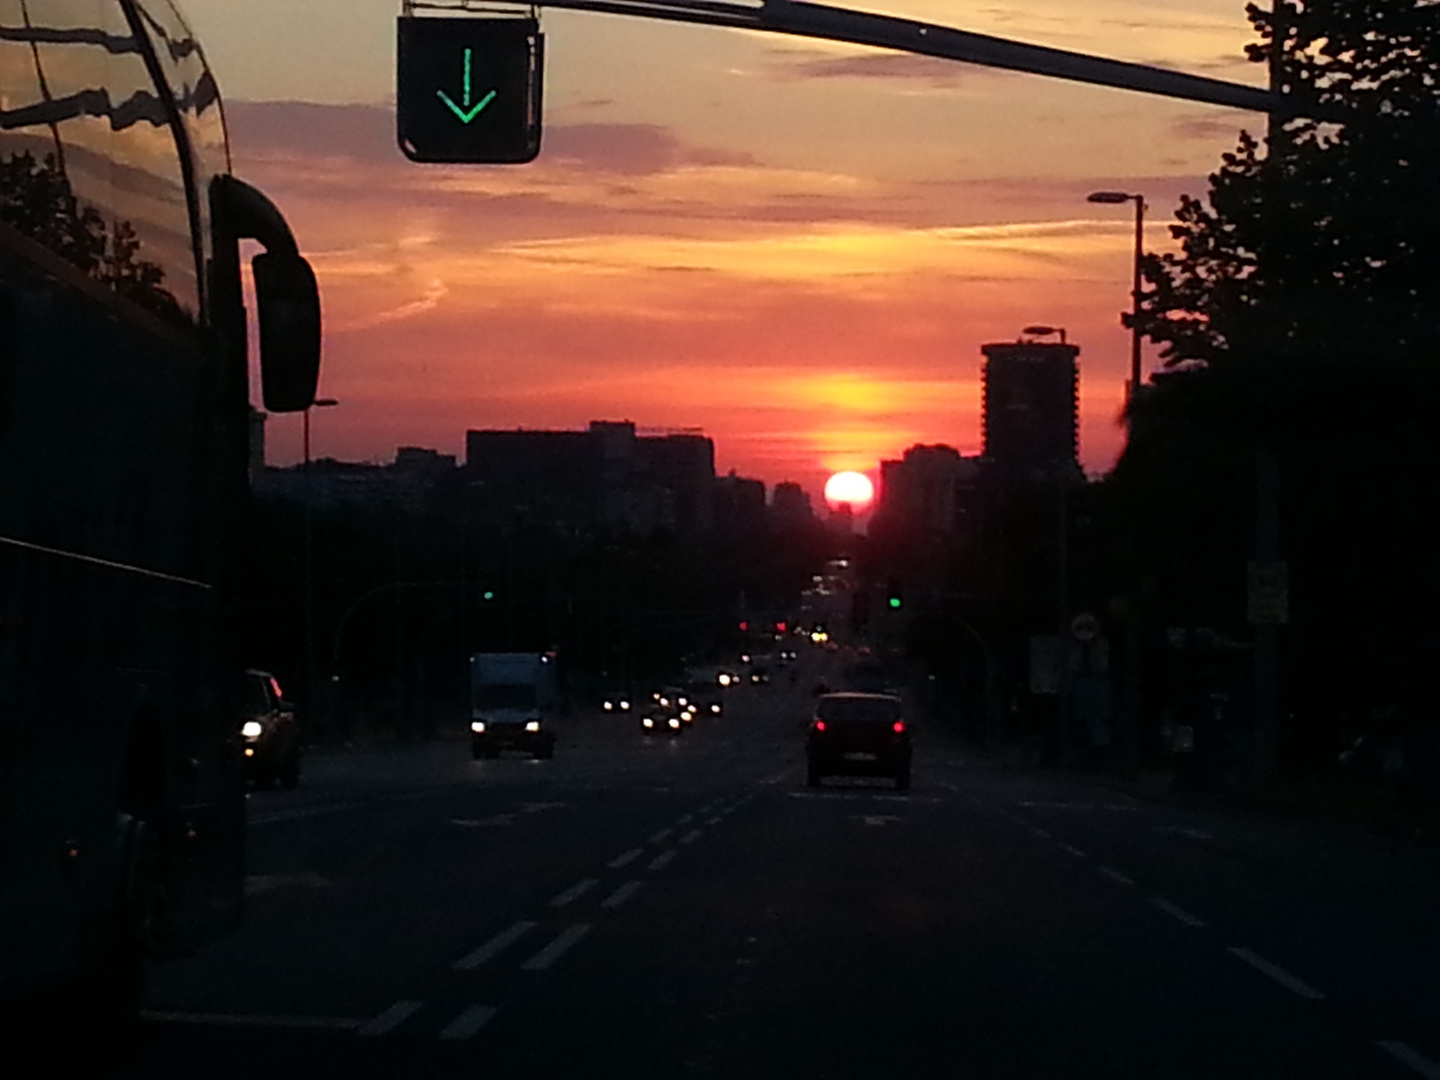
x: 894, y: 601
x: 488, y: 595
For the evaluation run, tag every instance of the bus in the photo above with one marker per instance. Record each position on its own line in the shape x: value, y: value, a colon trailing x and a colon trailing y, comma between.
x: 124, y: 458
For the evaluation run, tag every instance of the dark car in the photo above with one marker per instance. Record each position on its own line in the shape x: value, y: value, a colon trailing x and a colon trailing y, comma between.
x: 863, y: 734
x: 660, y: 719
x: 706, y: 698
x: 618, y: 701
x: 269, y: 733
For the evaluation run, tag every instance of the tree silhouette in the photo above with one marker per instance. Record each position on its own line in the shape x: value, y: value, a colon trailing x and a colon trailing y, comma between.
x: 36, y: 198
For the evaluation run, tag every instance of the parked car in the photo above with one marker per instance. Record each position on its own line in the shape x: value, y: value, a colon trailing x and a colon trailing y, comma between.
x: 858, y: 733
x: 269, y: 733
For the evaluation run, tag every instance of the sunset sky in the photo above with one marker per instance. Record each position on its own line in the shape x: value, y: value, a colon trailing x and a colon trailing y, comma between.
x: 796, y: 245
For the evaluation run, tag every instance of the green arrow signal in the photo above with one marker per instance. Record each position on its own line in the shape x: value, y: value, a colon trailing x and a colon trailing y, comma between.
x: 466, y: 114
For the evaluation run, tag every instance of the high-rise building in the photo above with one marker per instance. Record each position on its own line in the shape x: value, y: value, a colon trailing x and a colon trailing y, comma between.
x: 1031, y: 407
x: 790, y: 505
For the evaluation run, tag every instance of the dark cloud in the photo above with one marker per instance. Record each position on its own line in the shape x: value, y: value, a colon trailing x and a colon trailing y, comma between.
x: 794, y: 64
x: 366, y: 133
x: 267, y: 128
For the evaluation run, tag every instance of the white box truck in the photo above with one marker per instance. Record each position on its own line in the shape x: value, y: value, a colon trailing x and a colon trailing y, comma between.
x: 513, y: 700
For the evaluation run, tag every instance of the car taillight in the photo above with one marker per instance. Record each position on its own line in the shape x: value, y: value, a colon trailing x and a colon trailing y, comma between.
x: 898, y: 726
x: 819, y: 725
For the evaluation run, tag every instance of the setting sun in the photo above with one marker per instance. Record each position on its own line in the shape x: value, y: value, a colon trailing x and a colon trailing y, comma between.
x: 853, y: 488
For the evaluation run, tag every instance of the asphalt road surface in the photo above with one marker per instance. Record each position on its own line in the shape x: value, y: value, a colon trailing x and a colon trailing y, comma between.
x: 670, y: 908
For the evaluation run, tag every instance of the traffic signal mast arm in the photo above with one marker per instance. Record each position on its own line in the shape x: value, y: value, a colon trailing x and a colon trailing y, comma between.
x: 929, y: 39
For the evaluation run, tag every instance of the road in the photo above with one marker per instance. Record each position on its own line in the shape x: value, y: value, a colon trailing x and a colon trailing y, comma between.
x: 669, y: 908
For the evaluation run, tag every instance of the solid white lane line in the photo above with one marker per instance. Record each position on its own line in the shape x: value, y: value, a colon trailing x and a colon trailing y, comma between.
x: 690, y: 837
x: 624, y: 859
x: 498, y: 943
x: 390, y: 1019
x: 1405, y: 1055
x: 1279, y: 974
x: 1175, y: 912
x: 1115, y: 875
x: 579, y: 889
x: 260, y: 1020
x: 1070, y: 850
x: 556, y: 949
x: 468, y: 1023
x: 663, y: 858
x: 660, y: 837
x: 620, y: 895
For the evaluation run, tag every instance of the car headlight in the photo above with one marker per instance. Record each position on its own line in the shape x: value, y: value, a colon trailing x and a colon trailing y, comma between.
x: 532, y: 725
x: 682, y: 701
x: 477, y: 726
x: 609, y: 706
x: 715, y: 708
x: 252, y: 729
x: 724, y: 680
x: 625, y: 706
x: 664, y: 701
x: 648, y: 722
x: 674, y: 722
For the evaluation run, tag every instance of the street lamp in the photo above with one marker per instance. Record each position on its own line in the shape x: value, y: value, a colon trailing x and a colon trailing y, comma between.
x: 1115, y: 198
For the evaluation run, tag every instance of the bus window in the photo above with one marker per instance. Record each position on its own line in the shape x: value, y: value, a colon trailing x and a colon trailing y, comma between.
x: 86, y: 147
x: 193, y: 87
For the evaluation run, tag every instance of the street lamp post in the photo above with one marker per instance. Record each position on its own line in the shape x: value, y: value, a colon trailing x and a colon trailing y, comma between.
x: 310, y: 682
x: 1116, y: 197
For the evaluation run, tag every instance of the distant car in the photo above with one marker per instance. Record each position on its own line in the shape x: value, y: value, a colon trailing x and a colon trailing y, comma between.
x: 706, y: 699
x: 661, y: 720
x: 857, y: 733
x: 759, y: 676
x: 269, y: 733
x: 618, y: 701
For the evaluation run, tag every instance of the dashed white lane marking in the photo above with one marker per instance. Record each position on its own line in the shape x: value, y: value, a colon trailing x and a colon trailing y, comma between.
x: 259, y: 1020
x: 660, y: 836
x: 685, y: 819
x: 1175, y: 912
x: 1406, y: 1056
x: 556, y: 949
x: 1035, y: 830
x: 495, y: 945
x: 280, y: 816
x: 1070, y: 849
x: 620, y: 895
x: 625, y: 858
x: 690, y: 837
x: 390, y: 1019
x: 468, y: 1023
x: 1279, y: 974
x: 579, y: 889
x: 663, y: 858
x: 1115, y: 875
x: 711, y: 822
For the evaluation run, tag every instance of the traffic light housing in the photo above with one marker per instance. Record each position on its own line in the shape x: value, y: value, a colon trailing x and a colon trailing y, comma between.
x: 894, y: 595
x: 468, y: 90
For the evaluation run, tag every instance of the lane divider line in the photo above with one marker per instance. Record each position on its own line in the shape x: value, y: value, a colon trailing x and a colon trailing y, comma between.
x: 620, y: 895
x: 1406, y: 1056
x: 259, y: 1020
x: 390, y: 1019
x: 690, y: 837
x: 1176, y: 912
x: 579, y: 889
x: 685, y: 819
x: 1115, y: 875
x: 662, y: 859
x: 1279, y: 974
x: 468, y: 1023
x: 624, y: 858
x: 556, y: 949
x: 1071, y: 850
x: 497, y: 944
x: 712, y: 822
x: 660, y: 837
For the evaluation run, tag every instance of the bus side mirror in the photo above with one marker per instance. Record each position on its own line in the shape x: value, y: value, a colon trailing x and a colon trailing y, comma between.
x: 288, y: 298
